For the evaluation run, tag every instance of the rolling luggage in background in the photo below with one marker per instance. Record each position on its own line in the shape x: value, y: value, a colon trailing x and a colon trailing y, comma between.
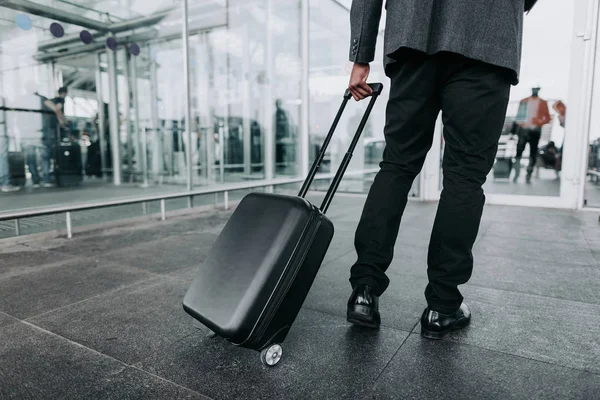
x: 16, y: 169
x: 256, y: 277
x: 67, y: 166
x: 503, y: 166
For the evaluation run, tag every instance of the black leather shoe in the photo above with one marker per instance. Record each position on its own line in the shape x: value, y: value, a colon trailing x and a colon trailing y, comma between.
x: 435, y: 325
x: 363, y: 307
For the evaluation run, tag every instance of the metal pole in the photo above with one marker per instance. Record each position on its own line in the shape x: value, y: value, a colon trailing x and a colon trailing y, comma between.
x: 163, y: 211
x: 101, y: 116
x: 17, y: 227
x: 157, y: 156
x: 304, y: 90
x: 69, y: 227
x: 188, y: 94
x: 226, y: 199
x: 145, y: 158
x: 222, y: 148
x: 246, y: 103
x: 268, y: 97
x: 141, y: 162
x: 114, y: 117
x: 127, y: 116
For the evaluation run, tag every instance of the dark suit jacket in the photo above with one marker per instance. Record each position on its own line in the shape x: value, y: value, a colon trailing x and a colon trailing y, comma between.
x: 485, y: 30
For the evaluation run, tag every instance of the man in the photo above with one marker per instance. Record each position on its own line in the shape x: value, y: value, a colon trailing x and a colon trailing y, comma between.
x: 532, y: 115
x: 51, y: 120
x: 458, y: 57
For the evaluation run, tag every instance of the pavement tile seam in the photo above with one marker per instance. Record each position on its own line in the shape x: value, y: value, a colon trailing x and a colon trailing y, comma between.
x: 41, y: 267
x: 203, y: 396
x: 574, y: 302
x: 10, y: 316
x: 109, y: 357
x: 108, y: 293
x: 394, y: 356
x: 416, y: 333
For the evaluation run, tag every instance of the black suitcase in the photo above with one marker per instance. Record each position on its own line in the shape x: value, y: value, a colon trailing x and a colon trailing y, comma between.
x: 67, y: 166
x: 502, y: 168
x: 256, y: 277
x: 16, y: 169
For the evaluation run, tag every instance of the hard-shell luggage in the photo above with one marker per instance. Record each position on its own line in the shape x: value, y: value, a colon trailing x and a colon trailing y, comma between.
x: 507, y: 150
x: 16, y: 168
x: 502, y: 168
x: 256, y: 277
x: 67, y: 167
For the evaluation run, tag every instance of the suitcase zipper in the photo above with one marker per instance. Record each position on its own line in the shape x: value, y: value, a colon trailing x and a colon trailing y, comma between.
x: 286, y: 284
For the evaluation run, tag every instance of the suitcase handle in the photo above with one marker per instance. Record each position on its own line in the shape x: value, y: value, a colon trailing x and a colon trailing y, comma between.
x: 377, y: 89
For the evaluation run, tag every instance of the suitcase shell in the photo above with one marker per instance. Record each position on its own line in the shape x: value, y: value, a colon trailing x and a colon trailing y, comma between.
x: 16, y: 168
x: 68, y: 168
x: 265, y: 259
x: 502, y: 168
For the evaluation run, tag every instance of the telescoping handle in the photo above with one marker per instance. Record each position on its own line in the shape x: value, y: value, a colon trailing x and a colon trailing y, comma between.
x: 377, y: 89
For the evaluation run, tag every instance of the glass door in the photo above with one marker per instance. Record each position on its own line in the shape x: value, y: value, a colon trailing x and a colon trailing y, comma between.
x: 538, y: 164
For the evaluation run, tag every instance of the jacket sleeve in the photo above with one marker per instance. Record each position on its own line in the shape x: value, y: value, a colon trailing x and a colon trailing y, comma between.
x: 364, y: 27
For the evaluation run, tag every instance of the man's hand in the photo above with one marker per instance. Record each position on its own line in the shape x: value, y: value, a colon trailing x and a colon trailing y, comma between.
x: 358, y: 81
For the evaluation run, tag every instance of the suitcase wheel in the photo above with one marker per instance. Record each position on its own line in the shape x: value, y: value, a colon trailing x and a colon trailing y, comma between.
x: 271, y: 355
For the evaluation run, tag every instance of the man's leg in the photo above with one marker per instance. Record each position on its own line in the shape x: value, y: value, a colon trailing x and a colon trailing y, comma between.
x: 411, y: 113
x: 32, y: 164
x: 534, y: 141
x: 520, y: 149
x: 45, y: 156
x: 474, y: 102
x: 4, y: 167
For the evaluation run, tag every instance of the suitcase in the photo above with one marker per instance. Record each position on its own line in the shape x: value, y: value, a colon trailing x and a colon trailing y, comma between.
x: 67, y: 167
x: 16, y: 169
x: 257, y: 275
x: 502, y: 168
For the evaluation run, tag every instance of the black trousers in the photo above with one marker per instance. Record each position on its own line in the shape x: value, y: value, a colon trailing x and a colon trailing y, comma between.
x: 473, y: 98
x: 531, y: 136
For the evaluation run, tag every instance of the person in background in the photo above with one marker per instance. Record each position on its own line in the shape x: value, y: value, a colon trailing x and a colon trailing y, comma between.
x: 84, y: 143
x: 5, y: 185
x: 52, y: 119
x: 460, y: 58
x: 532, y: 115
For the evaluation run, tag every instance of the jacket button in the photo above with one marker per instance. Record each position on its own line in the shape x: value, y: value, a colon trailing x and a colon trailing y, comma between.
x: 355, y: 40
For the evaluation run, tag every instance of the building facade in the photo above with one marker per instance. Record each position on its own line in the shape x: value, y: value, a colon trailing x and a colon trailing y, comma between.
x: 258, y: 83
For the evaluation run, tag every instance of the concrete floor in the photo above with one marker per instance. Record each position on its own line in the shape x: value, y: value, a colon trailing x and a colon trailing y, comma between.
x: 100, y: 316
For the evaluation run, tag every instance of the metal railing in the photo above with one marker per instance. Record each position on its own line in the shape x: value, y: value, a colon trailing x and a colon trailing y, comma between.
x: 67, y: 209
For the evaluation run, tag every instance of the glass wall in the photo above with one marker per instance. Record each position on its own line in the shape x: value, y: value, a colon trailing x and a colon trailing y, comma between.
x: 120, y: 129
x: 329, y: 75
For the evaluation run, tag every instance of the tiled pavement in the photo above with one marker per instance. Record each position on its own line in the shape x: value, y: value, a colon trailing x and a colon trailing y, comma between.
x: 100, y: 317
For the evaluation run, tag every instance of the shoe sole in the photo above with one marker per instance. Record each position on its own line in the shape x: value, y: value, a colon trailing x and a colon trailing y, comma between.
x: 362, y: 319
x: 440, y: 335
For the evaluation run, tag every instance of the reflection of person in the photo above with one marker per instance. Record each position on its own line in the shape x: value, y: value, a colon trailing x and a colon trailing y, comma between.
x: 5, y: 185
x: 84, y: 143
x: 549, y: 158
x: 433, y: 66
x: 282, y: 132
x: 561, y: 109
x: 52, y: 119
x: 533, y: 114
